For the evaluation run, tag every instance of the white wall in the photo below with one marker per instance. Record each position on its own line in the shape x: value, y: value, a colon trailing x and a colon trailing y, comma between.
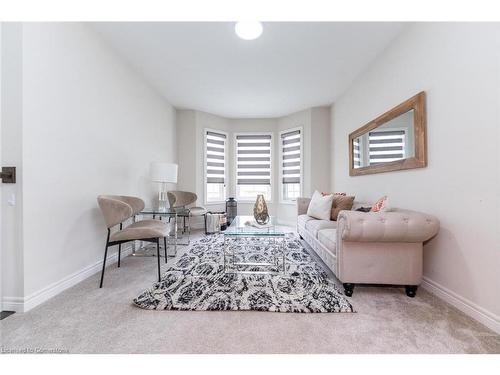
x: 186, y: 150
x: 90, y: 126
x: 320, y: 150
x: 458, y: 65
x: 11, y: 155
x: 1, y: 246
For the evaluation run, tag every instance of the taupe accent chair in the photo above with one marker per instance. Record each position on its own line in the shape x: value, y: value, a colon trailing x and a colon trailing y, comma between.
x: 117, y: 209
x: 183, y: 199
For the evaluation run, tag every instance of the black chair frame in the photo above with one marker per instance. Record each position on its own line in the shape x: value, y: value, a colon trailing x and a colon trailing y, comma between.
x: 119, y: 243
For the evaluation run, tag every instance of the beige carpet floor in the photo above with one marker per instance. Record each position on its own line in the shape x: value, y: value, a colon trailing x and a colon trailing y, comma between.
x: 86, y: 319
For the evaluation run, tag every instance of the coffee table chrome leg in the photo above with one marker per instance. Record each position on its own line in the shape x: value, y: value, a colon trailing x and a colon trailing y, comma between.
x: 175, y: 235
x: 234, y: 252
x: 283, y: 249
x: 275, y: 253
x: 189, y: 228
x: 224, y: 249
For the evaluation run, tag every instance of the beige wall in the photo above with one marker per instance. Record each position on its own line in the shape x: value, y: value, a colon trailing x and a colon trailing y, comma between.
x: 458, y: 66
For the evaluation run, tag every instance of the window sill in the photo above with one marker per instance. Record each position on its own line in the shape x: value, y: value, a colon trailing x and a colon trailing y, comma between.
x: 246, y: 201
x: 289, y: 202
x: 214, y: 203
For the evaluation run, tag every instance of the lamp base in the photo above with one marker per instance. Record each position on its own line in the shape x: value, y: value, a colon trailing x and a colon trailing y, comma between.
x: 162, y: 201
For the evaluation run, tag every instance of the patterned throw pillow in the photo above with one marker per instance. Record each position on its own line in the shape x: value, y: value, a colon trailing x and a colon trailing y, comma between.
x: 380, y: 205
x: 341, y: 202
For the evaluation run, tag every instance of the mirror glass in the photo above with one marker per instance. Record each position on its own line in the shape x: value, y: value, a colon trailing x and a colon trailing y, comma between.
x: 391, y: 141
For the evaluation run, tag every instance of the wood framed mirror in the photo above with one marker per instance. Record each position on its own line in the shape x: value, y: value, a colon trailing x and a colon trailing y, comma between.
x: 394, y: 141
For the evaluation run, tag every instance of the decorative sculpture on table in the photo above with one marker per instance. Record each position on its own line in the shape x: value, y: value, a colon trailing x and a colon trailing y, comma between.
x: 260, y: 212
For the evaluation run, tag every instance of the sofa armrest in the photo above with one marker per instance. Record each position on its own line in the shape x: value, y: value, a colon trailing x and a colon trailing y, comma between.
x: 392, y: 226
x: 302, y: 205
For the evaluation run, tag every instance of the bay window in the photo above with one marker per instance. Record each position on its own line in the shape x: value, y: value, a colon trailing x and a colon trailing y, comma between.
x: 291, y: 164
x: 215, y: 166
x: 253, y: 166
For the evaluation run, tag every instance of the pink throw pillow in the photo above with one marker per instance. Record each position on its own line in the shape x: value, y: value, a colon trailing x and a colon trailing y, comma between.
x: 379, y: 205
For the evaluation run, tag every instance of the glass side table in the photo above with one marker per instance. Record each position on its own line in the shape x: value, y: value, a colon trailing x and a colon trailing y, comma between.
x: 162, y: 214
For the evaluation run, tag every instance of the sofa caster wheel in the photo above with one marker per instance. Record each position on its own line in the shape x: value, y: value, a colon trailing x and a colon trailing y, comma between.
x: 348, y: 289
x: 411, y: 290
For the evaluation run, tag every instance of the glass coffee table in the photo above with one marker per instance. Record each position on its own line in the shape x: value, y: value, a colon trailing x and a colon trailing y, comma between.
x: 253, y: 249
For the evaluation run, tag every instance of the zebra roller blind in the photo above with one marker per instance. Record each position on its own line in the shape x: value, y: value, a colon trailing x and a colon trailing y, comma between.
x: 356, y: 152
x: 386, y: 146
x: 290, y: 151
x: 216, y: 154
x: 253, y: 153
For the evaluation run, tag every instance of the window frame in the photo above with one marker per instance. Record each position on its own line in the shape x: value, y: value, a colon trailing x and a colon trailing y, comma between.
x: 235, y: 155
x: 281, y: 187
x: 226, y: 146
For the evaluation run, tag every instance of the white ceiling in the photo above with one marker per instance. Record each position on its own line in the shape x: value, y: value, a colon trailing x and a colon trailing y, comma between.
x: 292, y: 66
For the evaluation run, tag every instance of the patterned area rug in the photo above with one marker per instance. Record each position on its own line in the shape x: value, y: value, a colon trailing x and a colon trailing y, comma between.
x: 198, y: 282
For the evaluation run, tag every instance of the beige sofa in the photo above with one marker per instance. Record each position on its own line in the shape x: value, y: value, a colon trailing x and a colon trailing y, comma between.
x: 370, y: 248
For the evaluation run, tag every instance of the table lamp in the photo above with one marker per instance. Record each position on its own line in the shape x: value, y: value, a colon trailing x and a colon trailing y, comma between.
x: 163, y: 173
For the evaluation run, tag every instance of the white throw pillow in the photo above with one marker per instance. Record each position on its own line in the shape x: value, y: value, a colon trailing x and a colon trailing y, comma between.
x: 386, y: 207
x: 320, y: 206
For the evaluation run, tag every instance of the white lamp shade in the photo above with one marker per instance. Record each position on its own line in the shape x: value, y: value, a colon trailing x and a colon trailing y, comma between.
x: 163, y: 172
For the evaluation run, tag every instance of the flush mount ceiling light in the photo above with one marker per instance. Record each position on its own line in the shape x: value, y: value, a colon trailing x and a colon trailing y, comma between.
x: 248, y: 30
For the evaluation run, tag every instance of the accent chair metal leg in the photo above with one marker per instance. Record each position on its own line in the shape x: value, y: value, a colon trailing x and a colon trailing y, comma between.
x: 158, y: 257
x: 165, y: 245
x: 120, y: 249
x: 104, y: 261
x: 133, y: 242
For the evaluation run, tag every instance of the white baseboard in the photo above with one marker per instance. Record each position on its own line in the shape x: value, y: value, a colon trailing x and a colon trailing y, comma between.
x: 13, y: 304
x: 19, y: 304
x: 285, y: 223
x: 476, y: 312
